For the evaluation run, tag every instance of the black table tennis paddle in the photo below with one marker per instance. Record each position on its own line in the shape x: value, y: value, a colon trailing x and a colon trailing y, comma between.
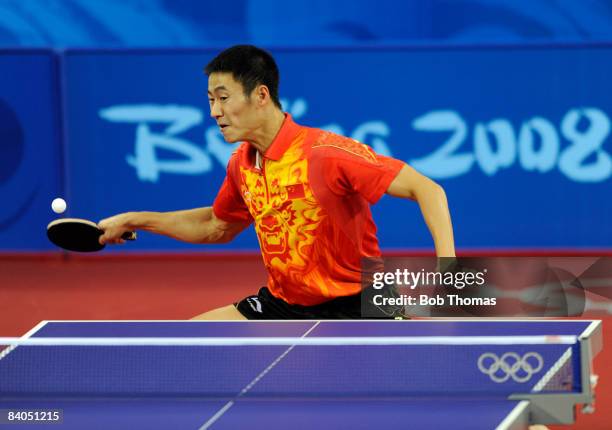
x: 79, y: 235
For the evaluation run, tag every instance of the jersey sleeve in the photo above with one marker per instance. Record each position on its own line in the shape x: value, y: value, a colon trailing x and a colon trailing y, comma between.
x: 352, y: 167
x: 229, y: 204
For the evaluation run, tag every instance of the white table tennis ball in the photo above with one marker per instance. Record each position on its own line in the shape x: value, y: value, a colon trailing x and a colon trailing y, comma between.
x: 58, y: 205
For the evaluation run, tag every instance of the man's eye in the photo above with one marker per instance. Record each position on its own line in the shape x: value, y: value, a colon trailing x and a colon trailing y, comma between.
x: 223, y: 98
x: 211, y: 100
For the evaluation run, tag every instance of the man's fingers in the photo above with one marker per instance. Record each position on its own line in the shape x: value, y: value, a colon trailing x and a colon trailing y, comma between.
x: 108, y: 238
x: 113, y: 230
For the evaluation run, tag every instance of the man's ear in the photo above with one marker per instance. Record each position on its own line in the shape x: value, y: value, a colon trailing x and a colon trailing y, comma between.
x: 262, y: 94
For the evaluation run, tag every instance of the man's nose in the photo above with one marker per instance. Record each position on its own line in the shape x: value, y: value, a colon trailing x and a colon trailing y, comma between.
x: 215, y: 110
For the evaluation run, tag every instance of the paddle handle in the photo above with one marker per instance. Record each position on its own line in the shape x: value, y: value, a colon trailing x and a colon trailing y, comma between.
x: 129, y: 235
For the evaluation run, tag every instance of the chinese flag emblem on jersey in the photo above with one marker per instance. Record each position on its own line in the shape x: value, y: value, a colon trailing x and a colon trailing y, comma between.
x: 295, y: 191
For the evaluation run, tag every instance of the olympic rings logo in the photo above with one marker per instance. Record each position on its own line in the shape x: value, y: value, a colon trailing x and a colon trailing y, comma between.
x: 510, y: 365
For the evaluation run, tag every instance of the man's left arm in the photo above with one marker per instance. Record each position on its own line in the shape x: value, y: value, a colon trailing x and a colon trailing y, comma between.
x: 431, y: 198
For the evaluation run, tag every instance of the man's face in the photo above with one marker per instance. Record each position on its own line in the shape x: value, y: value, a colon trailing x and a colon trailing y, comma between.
x: 236, y: 115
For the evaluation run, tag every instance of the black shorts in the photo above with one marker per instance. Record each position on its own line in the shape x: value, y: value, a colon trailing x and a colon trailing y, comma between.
x: 264, y: 306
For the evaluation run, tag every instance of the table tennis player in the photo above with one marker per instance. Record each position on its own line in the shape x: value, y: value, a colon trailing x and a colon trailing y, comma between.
x: 307, y: 191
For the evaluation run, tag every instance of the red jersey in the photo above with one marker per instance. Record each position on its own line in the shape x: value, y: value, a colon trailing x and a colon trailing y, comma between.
x: 309, y: 198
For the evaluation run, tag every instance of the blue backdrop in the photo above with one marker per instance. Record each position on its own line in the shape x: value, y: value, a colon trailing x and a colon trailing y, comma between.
x: 189, y: 23
x: 30, y: 147
x: 519, y: 138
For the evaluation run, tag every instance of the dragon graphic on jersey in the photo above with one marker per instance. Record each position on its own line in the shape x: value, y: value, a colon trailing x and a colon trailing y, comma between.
x: 285, y: 211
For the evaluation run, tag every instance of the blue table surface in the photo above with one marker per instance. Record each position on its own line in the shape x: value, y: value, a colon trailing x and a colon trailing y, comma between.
x: 438, y: 413
x: 270, y: 413
x: 298, y: 328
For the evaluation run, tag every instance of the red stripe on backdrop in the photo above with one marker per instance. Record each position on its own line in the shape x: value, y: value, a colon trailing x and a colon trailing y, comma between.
x: 247, y: 255
x: 34, y: 289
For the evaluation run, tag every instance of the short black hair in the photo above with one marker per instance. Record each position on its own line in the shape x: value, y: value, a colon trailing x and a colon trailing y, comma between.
x: 249, y: 65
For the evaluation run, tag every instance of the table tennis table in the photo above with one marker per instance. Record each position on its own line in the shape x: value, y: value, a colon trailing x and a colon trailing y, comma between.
x: 303, y: 386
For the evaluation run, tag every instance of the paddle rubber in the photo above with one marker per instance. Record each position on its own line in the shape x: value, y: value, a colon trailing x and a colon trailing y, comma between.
x: 79, y: 235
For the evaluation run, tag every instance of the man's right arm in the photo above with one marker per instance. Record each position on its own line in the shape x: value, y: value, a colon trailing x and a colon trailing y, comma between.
x: 194, y: 225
